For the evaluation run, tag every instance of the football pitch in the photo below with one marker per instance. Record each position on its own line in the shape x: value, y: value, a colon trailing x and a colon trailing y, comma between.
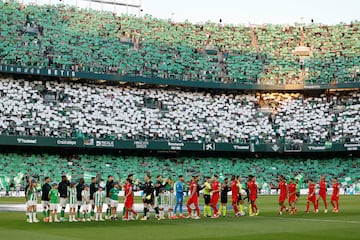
x: 268, y: 225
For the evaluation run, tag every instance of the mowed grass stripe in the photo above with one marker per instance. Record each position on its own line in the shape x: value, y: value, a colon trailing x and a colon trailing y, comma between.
x: 268, y: 225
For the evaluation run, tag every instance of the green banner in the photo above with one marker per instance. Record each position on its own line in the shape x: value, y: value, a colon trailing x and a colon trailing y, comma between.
x: 174, y: 146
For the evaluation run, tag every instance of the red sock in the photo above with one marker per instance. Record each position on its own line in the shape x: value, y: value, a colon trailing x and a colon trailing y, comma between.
x: 189, y: 209
x: 126, y: 214
x: 325, y: 204
x: 135, y: 213
x: 337, y: 205
x: 307, y: 206
x: 315, y: 205
x: 215, y: 209
x: 254, y: 207
x: 236, y: 209
x: 197, y: 210
x: 332, y: 203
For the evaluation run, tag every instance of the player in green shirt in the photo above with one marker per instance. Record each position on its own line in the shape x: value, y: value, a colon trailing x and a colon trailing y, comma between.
x: 114, y: 201
x: 206, y: 193
x: 99, y: 196
x: 72, y: 202
x: 54, y: 200
x: 32, y: 201
x: 85, y: 195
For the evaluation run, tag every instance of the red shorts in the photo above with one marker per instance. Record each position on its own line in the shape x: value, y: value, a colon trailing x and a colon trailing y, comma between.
x: 292, y: 198
x: 253, y: 198
x: 214, y: 199
x: 282, y: 198
x: 129, y: 203
x: 193, y: 200
x: 234, y: 199
x: 322, y: 195
x: 312, y: 199
x: 335, y: 198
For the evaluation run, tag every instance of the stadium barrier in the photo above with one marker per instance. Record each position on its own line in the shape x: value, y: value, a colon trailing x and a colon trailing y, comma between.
x: 68, y: 73
x: 172, y: 146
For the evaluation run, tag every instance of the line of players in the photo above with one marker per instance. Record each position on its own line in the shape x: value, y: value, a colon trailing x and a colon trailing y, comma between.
x: 81, y: 196
x: 289, y: 191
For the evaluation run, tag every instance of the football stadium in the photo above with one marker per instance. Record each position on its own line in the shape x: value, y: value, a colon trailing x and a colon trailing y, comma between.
x: 123, y: 119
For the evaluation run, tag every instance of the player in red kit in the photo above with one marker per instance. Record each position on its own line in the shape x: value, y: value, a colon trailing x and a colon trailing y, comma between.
x: 253, y: 195
x: 292, y: 188
x: 322, y: 192
x: 335, y: 196
x: 193, y: 198
x: 235, y: 194
x: 283, y: 194
x: 129, y: 200
x: 215, y: 190
x: 311, y: 197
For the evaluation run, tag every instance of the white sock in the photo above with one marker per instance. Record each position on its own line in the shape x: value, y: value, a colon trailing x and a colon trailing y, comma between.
x: 30, y: 216
x: 34, y: 216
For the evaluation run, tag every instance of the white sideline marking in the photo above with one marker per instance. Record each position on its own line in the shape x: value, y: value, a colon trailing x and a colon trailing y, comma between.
x: 317, y: 220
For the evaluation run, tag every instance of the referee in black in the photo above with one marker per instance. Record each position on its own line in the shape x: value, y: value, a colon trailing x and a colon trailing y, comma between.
x: 45, y: 189
x: 93, y: 189
x: 63, y: 192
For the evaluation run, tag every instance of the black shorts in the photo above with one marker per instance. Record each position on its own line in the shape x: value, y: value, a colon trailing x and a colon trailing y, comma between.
x: 239, y: 198
x: 224, y: 199
x: 207, y: 199
x: 149, y: 201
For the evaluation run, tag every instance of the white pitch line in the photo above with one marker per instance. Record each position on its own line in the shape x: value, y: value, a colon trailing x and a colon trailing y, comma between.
x: 316, y: 220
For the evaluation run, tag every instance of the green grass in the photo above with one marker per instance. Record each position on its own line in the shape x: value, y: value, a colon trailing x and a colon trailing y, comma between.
x: 17, y: 200
x: 268, y: 225
x: 10, y: 200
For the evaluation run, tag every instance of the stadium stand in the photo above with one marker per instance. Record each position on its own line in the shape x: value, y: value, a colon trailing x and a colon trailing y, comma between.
x: 63, y: 37
x: 90, y: 110
x: 67, y: 38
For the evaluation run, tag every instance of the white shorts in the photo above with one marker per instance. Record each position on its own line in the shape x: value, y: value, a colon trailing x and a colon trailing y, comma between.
x: 99, y: 202
x: 108, y: 202
x: 114, y: 203
x: 85, y: 207
x: 92, y: 202
x: 53, y: 206
x: 159, y: 201
x: 31, y: 203
x: 63, y: 202
x: 45, y: 204
x: 73, y: 205
x: 27, y: 204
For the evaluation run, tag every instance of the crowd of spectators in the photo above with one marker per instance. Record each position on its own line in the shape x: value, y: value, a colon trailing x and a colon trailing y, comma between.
x: 91, y: 110
x: 65, y: 37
